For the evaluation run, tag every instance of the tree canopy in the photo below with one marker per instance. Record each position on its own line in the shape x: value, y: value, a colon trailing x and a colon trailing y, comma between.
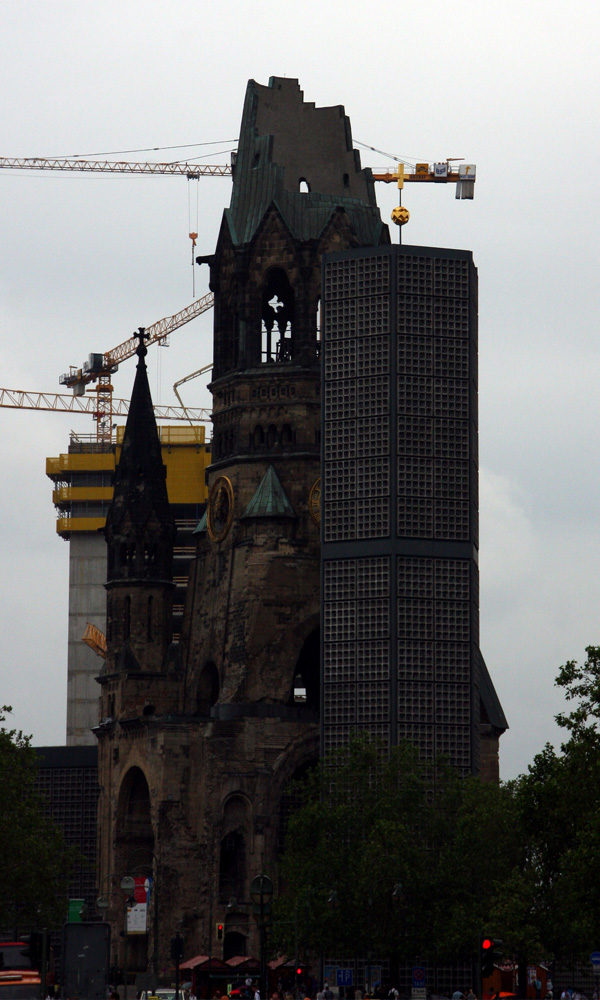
x: 391, y: 856
x: 408, y: 854
x: 36, y: 862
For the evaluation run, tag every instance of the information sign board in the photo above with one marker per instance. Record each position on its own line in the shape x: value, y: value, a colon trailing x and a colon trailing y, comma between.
x: 418, y: 977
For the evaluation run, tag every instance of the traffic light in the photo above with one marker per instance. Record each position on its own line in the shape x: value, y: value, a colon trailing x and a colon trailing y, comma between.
x: 33, y: 949
x: 177, y: 948
x: 490, y: 953
x: 220, y: 932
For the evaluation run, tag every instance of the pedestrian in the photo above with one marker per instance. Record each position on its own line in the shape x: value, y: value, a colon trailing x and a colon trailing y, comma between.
x: 457, y: 995
x: 393, y: 994
x: 470, y: 994
x: 257, y: 993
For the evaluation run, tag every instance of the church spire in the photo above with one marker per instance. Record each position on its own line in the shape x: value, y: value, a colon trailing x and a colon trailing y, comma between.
x: 139, y: 533
x: 140, y: 490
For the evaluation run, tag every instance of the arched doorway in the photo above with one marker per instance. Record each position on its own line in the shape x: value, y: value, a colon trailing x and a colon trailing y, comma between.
x: 234, y: 944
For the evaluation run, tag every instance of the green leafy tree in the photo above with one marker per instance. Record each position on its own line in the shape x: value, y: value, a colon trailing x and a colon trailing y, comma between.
x: 36, y: 863
x: 411, y: 854
x: 549, y: 905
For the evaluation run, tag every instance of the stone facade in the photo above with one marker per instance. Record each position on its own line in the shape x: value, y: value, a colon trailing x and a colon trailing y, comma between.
x: 199, y: 741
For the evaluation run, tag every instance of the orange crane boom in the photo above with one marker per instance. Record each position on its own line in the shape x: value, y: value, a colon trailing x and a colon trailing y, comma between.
x: 106, y: 364
x: 60, y: 403
x: 99, y: 367
x: 192, y: 171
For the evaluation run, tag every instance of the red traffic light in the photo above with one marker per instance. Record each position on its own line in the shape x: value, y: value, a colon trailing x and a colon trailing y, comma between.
x: 298, y: 972
x: 487, y: 943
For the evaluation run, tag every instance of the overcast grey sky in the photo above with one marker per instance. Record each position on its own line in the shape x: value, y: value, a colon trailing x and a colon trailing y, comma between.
x: 85, y: 259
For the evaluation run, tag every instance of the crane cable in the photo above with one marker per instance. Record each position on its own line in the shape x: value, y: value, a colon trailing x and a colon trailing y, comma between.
x: 193, y: 233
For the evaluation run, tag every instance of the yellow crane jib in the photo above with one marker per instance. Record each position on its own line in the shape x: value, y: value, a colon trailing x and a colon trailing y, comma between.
x: 437, y: 173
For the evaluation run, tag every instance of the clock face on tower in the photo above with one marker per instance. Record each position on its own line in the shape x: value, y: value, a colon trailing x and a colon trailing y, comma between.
x: 219, y: 515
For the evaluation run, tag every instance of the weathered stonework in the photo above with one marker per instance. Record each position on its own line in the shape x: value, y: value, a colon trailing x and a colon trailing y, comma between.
x: 198, y: 742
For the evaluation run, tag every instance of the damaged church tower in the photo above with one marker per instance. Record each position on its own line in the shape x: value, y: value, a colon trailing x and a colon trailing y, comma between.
x: 198, y: 743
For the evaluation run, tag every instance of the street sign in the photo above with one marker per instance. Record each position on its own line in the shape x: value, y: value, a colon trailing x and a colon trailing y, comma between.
x: 418, y: 977
x: 74, y: 912
x: 344, y: 977
x: 595, y: 958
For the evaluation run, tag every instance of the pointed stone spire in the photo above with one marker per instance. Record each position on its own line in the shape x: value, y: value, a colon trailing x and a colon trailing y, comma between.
x: 140, y: 490
x: 139, y: 533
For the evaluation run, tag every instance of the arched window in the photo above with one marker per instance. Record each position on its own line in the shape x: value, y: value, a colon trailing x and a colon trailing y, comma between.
x: 135, y: 822
x: 232, y: 866
x: 277, y: 317
x: 303, y: 186
x: 271, y: 436
x: 232, y: 855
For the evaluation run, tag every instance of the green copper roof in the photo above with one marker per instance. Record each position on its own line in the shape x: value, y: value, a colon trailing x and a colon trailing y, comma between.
x: 270, y: 499
x: 201, y: 526
x: 285, y: 141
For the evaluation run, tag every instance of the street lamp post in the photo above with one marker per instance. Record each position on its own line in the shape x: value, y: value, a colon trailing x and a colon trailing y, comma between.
x: 261, y: 894
x: 127, y: 884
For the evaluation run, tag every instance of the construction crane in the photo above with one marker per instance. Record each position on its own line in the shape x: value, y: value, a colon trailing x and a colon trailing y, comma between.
x: 61, y: 403
x: 193, y: 171
x: 188, y: 378
x: 100, y: 367
x: 438, y: 173
x: 441, y: 172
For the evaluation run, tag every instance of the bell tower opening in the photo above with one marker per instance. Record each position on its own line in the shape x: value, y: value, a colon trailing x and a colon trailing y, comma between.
x: 277, y: 314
